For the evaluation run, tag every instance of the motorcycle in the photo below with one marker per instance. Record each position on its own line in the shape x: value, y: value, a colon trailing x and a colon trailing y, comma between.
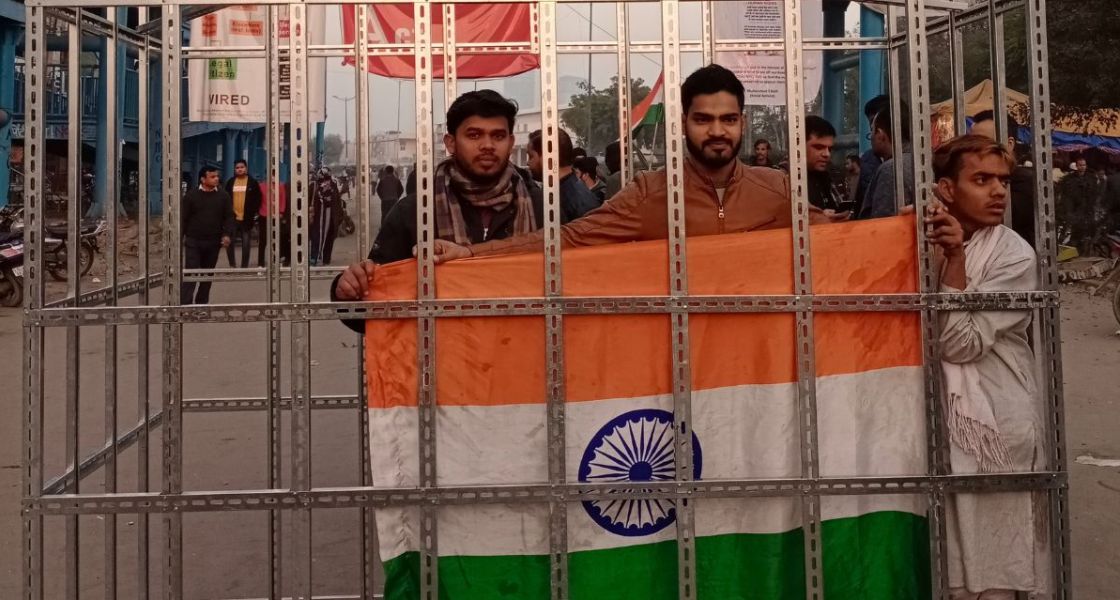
x: 11, y: 268
x: 56, y: 251
x: 55, y: 238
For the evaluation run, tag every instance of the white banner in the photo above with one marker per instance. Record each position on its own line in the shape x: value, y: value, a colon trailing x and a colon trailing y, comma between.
x: 764, y: 73
x: 235, y: 90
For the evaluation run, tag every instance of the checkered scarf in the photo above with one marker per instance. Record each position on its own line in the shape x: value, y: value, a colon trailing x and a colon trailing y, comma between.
x: 451, y: 186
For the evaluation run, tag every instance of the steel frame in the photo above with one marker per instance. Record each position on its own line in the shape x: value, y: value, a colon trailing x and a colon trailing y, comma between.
x: 61, y: 495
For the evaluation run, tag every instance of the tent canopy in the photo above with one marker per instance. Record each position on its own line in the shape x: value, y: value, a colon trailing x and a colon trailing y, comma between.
x: 1104, y: 122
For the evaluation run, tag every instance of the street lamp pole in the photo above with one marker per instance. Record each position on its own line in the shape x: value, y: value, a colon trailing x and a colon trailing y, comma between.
x: 346, y: 131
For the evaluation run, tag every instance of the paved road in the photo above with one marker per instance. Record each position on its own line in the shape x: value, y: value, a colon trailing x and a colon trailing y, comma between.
x: 224, y: 552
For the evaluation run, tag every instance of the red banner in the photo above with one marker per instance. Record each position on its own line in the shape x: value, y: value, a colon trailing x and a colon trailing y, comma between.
x: 474, y: 24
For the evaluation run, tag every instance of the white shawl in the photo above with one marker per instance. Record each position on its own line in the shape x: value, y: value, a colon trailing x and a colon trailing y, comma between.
x: 971, y: 419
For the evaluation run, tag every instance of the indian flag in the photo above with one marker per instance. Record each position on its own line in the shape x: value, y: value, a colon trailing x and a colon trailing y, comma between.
x: 491, y: 423
x: 651, y: 110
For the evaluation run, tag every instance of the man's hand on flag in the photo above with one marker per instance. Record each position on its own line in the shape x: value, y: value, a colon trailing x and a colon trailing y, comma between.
x: 355, y: 281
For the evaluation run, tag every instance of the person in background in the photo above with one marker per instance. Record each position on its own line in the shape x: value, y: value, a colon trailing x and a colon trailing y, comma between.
x: 578, y: 152
x: 207, y: 224
x: 998, y: 546
x: 575, y: 199
x: 326, y: 211
x: 851, y: 178
x: 389, y: 189
x: 882, y: 200
x: 821, y: 136
x: 1022, y: 177
x: 246, y: 194
x: 613, y: 159
x: 587, y: 170
x: 762, y: 154
x: 869, y: 162
x: 478, y: 195
x: 285, y: 231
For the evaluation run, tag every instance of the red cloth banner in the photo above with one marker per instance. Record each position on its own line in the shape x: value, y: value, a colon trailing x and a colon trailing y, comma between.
x: 474, y: 24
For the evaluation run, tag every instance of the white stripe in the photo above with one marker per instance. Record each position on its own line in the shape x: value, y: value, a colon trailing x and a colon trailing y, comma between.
x: 868, y: 424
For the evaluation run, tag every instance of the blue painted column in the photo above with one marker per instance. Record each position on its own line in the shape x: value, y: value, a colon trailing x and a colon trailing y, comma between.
x: 8, y: 33
x: 320, y: 128
x: 871, y: 68
x: 832, y: 82
x: 100, y: 156
x: 229, y: 151
x: 155, y: 138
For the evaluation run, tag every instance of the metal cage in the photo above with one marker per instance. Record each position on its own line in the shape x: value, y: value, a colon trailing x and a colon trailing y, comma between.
x: 288, y: 497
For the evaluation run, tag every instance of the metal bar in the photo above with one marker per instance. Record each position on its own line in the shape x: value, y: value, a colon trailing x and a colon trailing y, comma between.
x: 33, y: 335
x: 553, y: 288
x: 282, y: 403
x: 122, y: 290
x: 143, y: 407
x: 273, y: 447
x: 625, y: 149
x: 678, y: 287
x: 357, y: 497
x: 927, y: 281
x: 73, y: 287
x: 172, y: 273
x: 1049, y: 318
x: 225, y: 274
x: 425, y: 290
x: 707, y: 32
x: 65, y: 481
x: 365, y: 206
x: 894, y: 79
x: 803, y: 286
x: 999, y: 86
x: 112, y: 200
x: 450, y: 57
x: 253, y: 313
x: 301, y: 292
x: 956, y: 61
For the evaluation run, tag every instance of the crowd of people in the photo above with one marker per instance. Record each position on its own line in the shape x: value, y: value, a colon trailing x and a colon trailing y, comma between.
x: 485, y: 205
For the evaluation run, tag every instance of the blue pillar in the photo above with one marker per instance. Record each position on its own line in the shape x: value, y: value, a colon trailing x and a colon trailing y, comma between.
x: 100, y: 157
x: 832, y: 82
x: 320, y: 127
x: 155, y: 138
x: 229, y: 151
x: 871, y: 68
x: 8, y: 33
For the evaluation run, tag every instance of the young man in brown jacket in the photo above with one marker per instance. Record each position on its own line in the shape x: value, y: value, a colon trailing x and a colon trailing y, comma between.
x: 721, y: 194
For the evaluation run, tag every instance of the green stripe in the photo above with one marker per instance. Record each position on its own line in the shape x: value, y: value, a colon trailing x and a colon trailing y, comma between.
x: 879, y: 556
x: 655, y: 114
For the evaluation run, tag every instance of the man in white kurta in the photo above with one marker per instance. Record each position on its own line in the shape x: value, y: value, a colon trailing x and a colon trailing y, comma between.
x: 998, y: 543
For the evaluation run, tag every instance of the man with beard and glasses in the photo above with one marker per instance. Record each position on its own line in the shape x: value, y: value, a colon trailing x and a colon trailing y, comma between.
x: 721, y: 194
x: 478, y: 194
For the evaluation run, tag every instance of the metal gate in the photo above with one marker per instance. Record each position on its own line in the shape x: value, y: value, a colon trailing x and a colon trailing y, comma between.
x: 60, y: 498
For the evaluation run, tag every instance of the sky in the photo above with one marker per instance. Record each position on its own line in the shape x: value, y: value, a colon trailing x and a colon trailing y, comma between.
x: 575, y: 22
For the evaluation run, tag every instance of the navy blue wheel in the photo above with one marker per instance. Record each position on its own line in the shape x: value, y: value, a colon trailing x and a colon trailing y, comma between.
x: 633, y: 447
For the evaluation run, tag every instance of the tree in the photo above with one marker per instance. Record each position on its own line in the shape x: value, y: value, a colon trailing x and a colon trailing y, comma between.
x: 592, y: 118
x: 1084, y: 68
x: 332, y: 149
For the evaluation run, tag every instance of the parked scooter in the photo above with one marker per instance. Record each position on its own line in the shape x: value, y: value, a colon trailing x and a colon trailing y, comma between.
x: 11, y: 268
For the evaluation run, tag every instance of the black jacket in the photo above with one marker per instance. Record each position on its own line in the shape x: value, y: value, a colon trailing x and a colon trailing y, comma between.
x: 398, y: 233
x: 207, y: 216
x: 253, y: 197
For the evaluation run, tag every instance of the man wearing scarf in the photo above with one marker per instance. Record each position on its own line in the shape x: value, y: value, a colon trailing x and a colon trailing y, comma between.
x: 478, y: 194
x: 998, y: 543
